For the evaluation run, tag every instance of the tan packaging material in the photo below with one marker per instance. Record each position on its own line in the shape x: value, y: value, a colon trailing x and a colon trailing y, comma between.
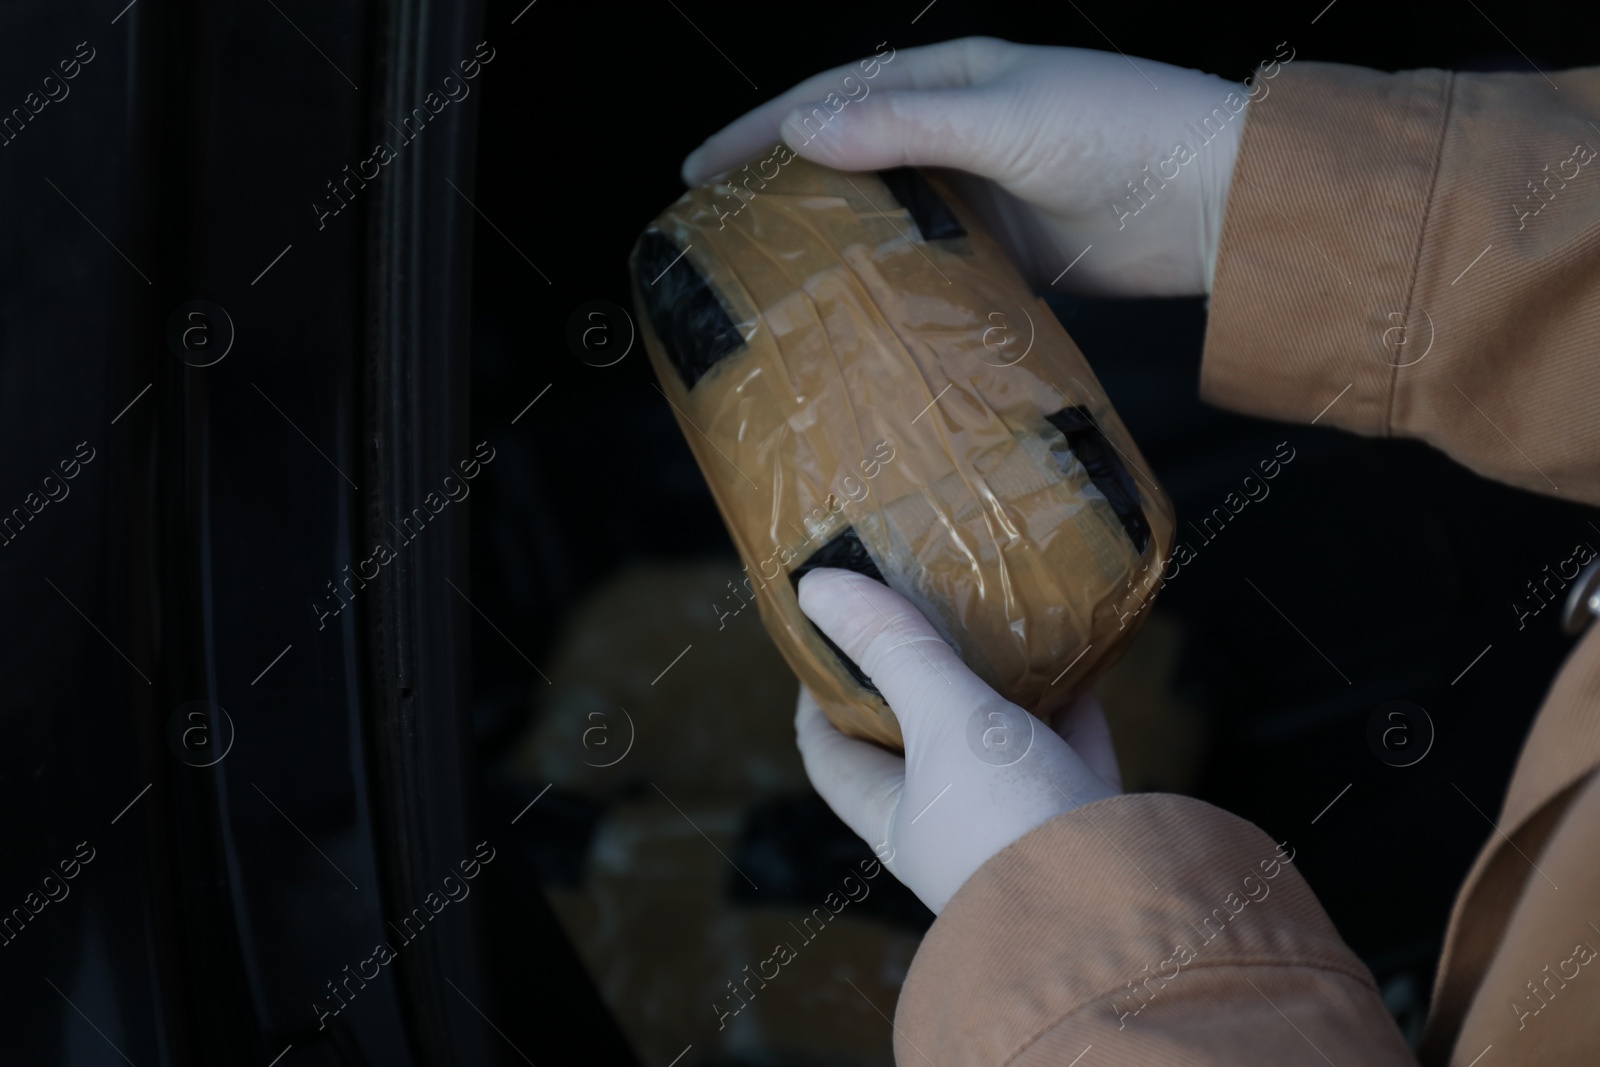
x: 867, y: 382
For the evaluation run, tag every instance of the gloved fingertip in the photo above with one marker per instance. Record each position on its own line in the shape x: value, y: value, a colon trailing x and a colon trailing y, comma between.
x: 804, y: 707
x: 693, y: 167
x: 821, y: 575
x: 814, y: 732
x: 819, y: 589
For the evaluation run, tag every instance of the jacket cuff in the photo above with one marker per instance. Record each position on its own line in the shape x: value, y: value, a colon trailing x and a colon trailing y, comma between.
x: 1320, y: 245
x: 1095, y: 911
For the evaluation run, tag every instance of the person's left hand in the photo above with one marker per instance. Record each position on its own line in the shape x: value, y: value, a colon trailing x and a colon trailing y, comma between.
x: 978, y: 773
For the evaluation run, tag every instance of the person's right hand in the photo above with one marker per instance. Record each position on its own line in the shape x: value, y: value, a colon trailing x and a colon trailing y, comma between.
x: 1051, y: 139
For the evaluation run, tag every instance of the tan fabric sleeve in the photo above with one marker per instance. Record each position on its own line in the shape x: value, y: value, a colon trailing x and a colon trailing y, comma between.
x: 1550, y: 811
x: 1535, y: 996
x: 1156, y: 928
x: 1421, y: 251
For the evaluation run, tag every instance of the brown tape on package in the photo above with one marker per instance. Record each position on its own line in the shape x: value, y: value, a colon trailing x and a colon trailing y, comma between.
x: 868, y: 383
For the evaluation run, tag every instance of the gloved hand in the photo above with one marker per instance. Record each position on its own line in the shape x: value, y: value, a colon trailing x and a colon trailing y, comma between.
x: 1050, y: 140
x: 978, y: 772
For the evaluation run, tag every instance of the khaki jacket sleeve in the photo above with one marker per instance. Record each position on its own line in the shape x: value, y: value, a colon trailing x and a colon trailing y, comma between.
x: 1418, y: 255
x: 1157, y: 929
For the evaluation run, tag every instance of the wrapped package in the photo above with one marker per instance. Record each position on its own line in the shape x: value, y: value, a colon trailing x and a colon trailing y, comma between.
x: 868, y: 383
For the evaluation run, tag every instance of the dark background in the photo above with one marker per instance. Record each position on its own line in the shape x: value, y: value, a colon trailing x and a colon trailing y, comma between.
x: 1399, y: 564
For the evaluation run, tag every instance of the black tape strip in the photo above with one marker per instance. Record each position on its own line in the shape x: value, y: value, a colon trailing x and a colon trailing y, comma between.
x: 931, y: 214
x: 1106, y: 470
x: 846, y: 552
x: 693, y: 325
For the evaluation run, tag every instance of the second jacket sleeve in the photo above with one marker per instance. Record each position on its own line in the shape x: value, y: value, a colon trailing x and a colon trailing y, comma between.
x: 1157, y: 930
x: 1418, y: 255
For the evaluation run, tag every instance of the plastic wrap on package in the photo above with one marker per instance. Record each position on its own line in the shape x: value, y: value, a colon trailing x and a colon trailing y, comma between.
x: 868, y: 383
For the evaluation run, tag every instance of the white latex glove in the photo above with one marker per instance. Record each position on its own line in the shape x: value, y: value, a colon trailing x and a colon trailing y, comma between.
x: 978, y: 773
x: 1050, y: 139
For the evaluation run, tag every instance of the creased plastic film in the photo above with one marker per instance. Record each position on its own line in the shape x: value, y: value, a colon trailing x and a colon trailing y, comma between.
x: 867, y: 382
